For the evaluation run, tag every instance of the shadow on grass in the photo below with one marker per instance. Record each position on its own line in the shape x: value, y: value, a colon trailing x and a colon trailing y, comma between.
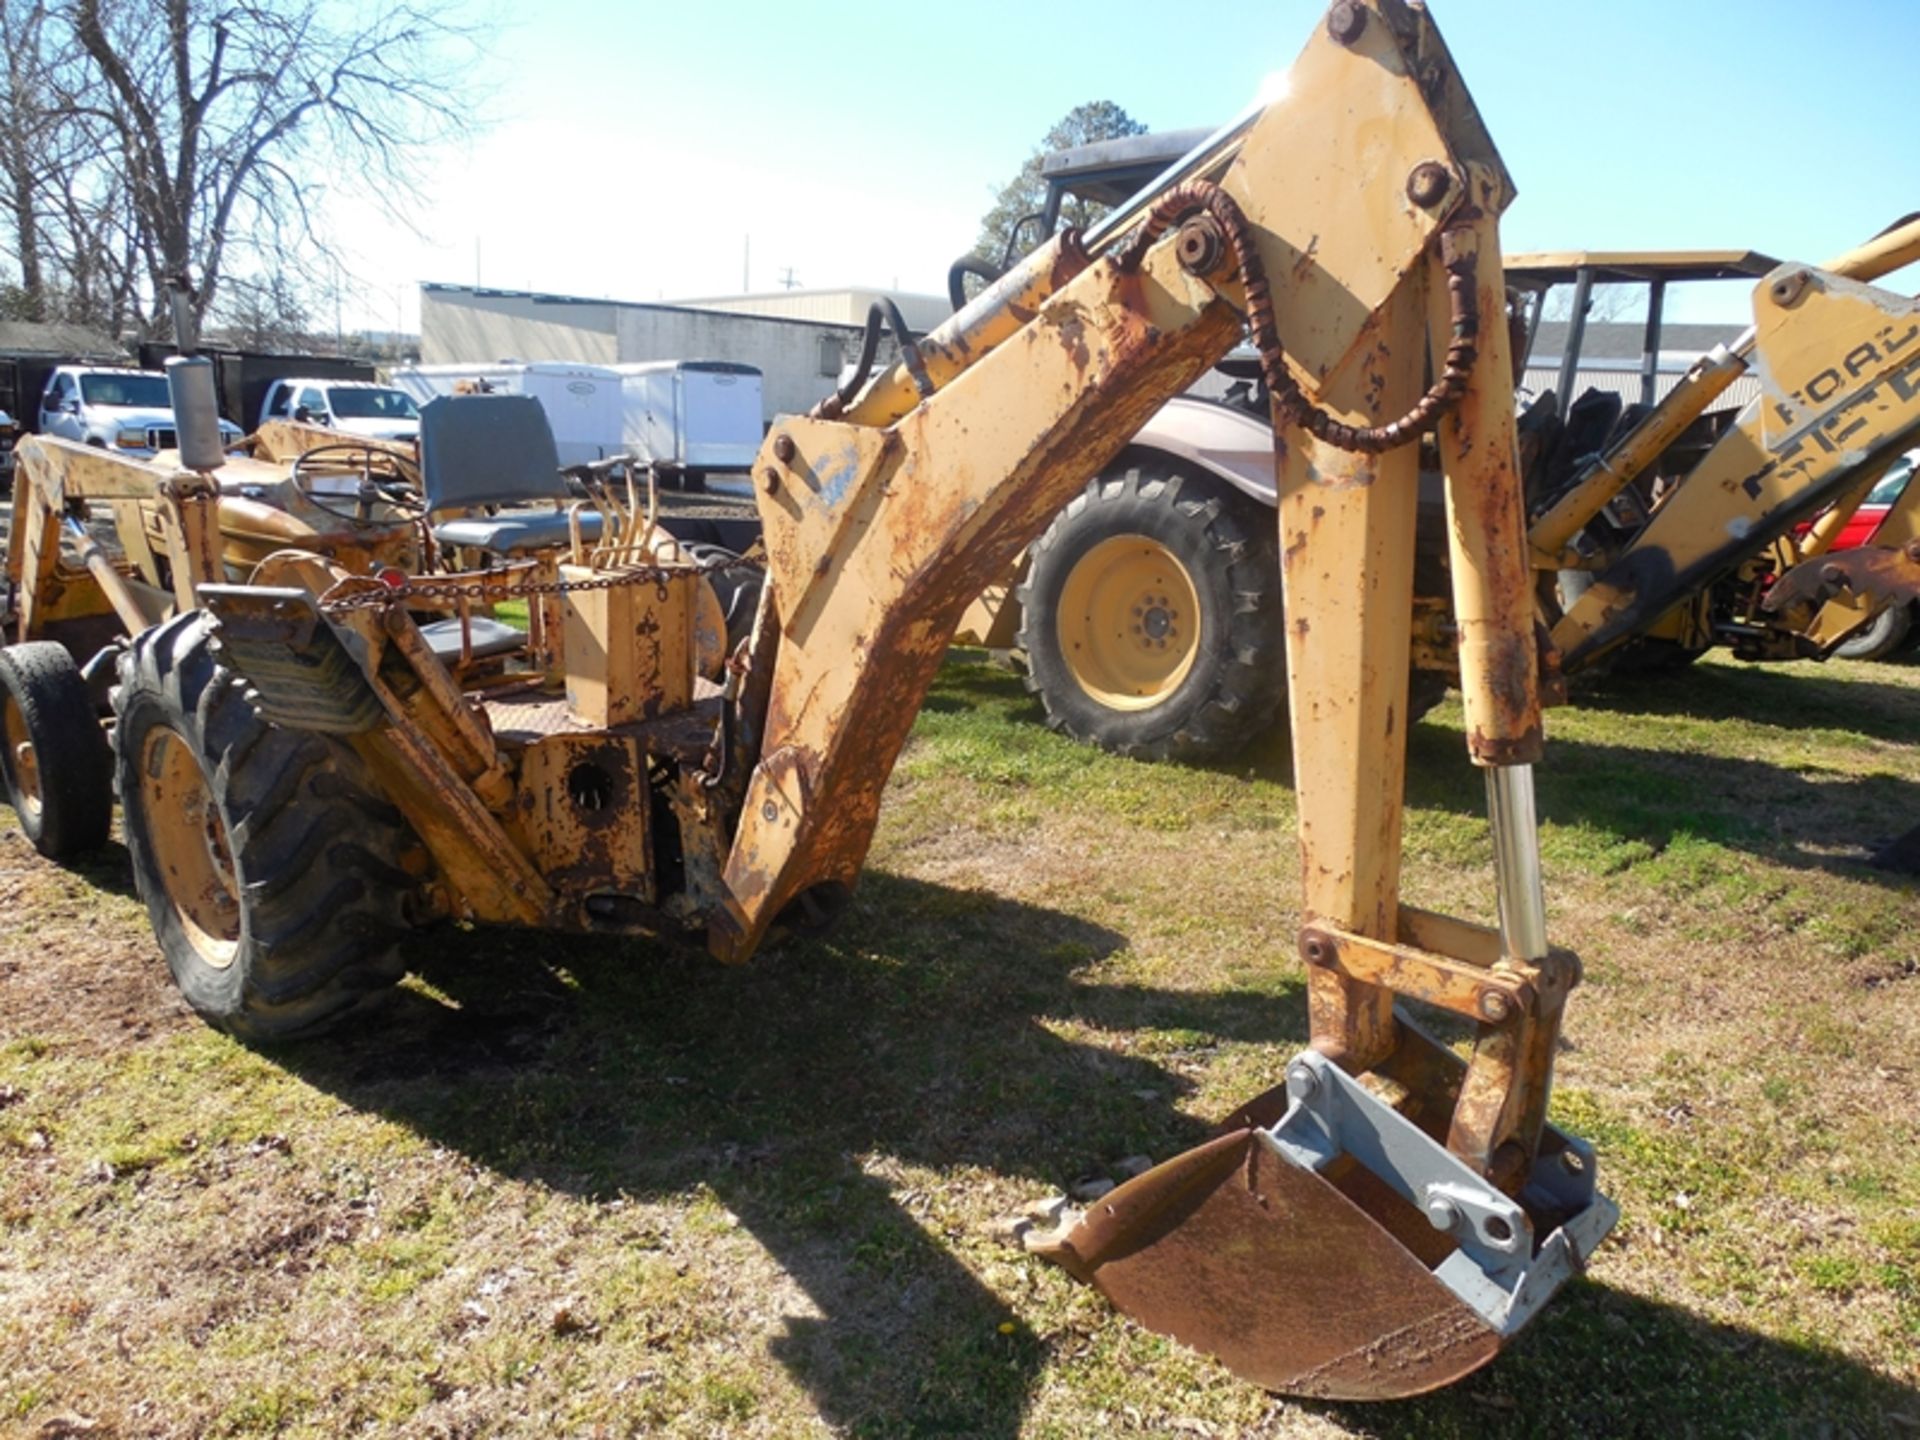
x: 918, y: 1033
x: 1806, y: 818
x: 914, y: 1034
x: 1601, y: 1362
x: 109, y: 869
x: 1803, y: 696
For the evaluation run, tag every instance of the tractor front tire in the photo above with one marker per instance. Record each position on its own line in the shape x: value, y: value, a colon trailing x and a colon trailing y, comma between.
x: 276, y: 881
x: 1150, y: 616
x: 1879, y: 637
x: 53, y: 754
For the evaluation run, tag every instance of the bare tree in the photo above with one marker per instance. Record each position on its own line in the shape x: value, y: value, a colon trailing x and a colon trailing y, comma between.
x: 1024, y: 194
x: 233, y: 120
x: 142, y: 140
x: 266, y: 315
x: 27, y: 137
x: 1605, y: 302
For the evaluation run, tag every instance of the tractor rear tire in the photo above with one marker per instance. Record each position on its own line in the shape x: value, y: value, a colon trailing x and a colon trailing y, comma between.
x: 54, y: 756
x: 275, y: 879
x: 1150, y: 616
x: 1883, y: 635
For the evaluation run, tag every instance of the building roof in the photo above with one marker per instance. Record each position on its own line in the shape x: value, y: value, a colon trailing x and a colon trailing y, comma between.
x: 843, y: 309
x: 1626, y: 340
x: 29, y: 337
x: 846, y: 306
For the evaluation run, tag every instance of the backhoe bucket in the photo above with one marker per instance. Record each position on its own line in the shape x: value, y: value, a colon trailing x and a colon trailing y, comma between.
x: 1340, y: 1253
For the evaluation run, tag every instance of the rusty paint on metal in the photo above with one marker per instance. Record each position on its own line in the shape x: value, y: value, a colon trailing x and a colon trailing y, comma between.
x: 1458, y: 985
x: 1493, y: 582
x: 915, y: 524
x: 1277, y: 1272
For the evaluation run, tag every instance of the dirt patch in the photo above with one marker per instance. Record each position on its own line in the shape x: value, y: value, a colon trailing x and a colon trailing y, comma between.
x: 77, y: 960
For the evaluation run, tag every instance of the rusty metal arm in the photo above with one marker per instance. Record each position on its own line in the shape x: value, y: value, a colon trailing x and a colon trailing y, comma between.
x: 1828, y: 597
x: 1629, y: 457
x: 1382, y: 1222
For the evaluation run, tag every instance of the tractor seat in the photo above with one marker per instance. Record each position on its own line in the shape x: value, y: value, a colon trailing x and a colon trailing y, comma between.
x: 482, y: 451
x: 514, y: 531
x: 491, y: 638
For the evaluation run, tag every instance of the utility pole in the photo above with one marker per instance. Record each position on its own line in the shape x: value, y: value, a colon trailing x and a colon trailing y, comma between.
x: 746, y: 263
x: 787, y: 281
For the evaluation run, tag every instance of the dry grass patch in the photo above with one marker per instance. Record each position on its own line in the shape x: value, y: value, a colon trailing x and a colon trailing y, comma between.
x: 565, y: 1187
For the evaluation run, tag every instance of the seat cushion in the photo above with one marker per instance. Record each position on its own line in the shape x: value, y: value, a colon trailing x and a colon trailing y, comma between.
x: 515, y: 530
x: 490, y: 638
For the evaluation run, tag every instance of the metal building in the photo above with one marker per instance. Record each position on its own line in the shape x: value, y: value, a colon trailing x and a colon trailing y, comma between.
x: 799, y: 340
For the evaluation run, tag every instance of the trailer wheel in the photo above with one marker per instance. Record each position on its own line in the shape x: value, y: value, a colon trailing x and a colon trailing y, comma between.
x: 54, y: 757
x: 276, y: 881
x: 1150, y: 616
x: 1880, y: 637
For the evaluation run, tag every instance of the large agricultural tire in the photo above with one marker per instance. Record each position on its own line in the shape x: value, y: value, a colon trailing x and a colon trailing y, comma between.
x: 1150, y: 616
x: 1883, y: 635
x: 53, y: 754
x: 275, y: 880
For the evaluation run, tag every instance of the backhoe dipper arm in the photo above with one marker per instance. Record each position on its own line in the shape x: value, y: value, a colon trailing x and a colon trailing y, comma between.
x: 1355, y: 220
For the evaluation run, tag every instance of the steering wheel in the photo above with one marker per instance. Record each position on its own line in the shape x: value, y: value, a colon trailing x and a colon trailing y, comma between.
x: 396, y: 491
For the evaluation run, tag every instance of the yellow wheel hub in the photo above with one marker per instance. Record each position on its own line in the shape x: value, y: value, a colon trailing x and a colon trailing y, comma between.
x: 22, y: 763
x: 1129, y: 622
x: 190, y: 848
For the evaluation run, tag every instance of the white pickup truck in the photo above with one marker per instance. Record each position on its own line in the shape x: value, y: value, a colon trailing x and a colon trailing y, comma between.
x: 116, y: 409
x: 357, y: 407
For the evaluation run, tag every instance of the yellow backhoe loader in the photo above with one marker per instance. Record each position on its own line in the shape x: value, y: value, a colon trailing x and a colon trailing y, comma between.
x: 306, y: 778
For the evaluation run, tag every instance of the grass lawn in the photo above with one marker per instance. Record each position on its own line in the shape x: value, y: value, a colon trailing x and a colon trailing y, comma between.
x: 571, y: 1187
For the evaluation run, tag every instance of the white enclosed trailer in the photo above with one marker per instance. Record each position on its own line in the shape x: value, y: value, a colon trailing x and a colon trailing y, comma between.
x: 692, y: 418
x: 583, y: 402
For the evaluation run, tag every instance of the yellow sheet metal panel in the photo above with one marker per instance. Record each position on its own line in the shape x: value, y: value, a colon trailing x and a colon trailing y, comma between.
x: 585, y: 814
x: 630, y: 649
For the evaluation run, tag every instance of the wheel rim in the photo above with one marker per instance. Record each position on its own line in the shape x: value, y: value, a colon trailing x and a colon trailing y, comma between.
x: 1129, y: 622
x: 191, y: 852
x: 23, y: 764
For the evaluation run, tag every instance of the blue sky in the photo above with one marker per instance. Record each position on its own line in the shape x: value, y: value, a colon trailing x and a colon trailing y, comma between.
x: 636, y: 146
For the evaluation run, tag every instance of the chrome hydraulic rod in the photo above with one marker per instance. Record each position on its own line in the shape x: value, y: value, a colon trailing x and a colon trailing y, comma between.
x: 1516, y: 861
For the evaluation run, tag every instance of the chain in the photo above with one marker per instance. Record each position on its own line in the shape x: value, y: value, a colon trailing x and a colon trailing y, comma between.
x: 388, y: 597
x: 1290, y: 406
